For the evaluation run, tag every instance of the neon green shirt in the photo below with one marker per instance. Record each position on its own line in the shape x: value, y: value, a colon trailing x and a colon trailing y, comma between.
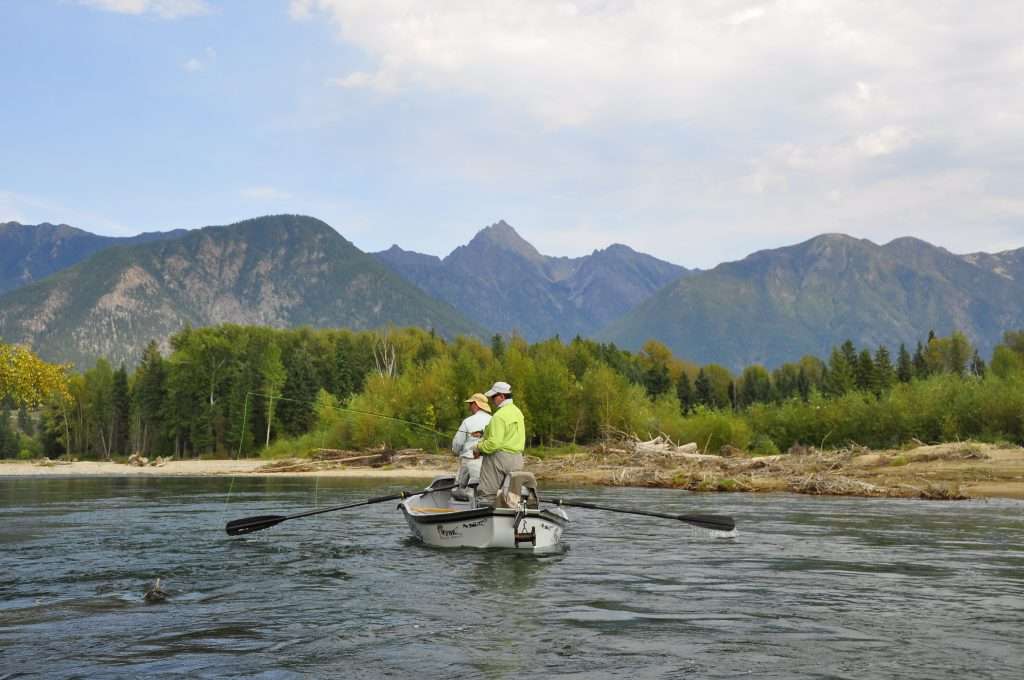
x: 505, y: 432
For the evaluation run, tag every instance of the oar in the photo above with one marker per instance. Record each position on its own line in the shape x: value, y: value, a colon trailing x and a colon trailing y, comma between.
x: 712, y: 522
x: 247, y: 525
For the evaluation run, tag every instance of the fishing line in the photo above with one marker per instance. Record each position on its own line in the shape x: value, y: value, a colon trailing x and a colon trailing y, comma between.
x: 358, y: 412
x: 352, y: 410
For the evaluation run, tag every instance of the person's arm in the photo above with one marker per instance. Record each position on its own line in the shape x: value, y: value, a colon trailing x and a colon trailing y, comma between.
x: 494, y: 435
x: 459, y: 440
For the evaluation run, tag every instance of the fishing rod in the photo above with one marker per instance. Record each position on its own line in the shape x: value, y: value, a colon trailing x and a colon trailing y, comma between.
x: 351, y: 410
x: 271, y: 397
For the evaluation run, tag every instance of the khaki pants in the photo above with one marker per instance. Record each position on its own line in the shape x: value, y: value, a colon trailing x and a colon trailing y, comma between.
x: 469, y: 471
x: 492, y: 474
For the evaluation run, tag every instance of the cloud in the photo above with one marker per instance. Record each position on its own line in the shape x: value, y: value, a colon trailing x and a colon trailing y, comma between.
x: 164, y: 9
x: 264, y: 193
x: 194, y: 64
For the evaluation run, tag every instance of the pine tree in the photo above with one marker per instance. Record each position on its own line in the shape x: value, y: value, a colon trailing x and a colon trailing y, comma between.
x: 121, y: 417
x: 884, y: 374
x: 498, y: 346
x: 904, y: 365
x: 920, y: 365
x: 294, y: 412
x: 865, y: 372
x: 803, y: 385
x: 657, y: 380
x: 849, y: 352
x: 684, y: 391
x: 151, y: 400
x: 841, y: 376
x: 703, y: 389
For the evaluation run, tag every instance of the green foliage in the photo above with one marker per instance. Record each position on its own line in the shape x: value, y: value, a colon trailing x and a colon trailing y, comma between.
x: 229, y: 388
x: 712, y: 429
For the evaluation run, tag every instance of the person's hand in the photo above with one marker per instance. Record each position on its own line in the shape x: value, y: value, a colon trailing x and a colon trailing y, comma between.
x: 476, y: 453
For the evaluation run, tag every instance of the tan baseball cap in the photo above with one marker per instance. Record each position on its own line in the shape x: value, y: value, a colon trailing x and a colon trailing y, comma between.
x: 480, y: 400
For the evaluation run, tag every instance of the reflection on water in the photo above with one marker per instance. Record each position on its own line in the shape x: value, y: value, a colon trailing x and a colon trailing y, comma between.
x: 809, y: 588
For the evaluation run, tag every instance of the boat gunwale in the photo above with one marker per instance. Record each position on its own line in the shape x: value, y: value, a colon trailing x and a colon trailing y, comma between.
x: 477, y: 513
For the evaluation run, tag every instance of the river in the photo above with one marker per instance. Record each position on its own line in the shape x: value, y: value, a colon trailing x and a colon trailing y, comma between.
x: 809, y: 588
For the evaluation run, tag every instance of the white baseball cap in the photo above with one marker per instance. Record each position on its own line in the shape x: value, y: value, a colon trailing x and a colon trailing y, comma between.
x: 499, y: 388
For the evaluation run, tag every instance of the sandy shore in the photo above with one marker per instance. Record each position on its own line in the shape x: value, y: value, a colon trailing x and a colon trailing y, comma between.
x: 946, y: 471
x: 201, y: 468
x: 943, y: 471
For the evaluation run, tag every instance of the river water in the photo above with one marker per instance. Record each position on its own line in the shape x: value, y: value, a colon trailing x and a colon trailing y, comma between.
x: 809, y: 588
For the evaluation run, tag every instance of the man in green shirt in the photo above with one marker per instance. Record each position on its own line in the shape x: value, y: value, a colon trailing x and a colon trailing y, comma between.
x: 502, y: 444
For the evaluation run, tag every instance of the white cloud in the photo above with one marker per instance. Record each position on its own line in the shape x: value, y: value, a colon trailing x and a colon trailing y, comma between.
x: 745, y: 15
x: 194, y: 64
x: 264, y: 193
x: 164, y: 9
x: 889, y: 139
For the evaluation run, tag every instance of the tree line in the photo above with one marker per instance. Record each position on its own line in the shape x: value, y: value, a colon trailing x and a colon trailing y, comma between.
x: 239, y: 390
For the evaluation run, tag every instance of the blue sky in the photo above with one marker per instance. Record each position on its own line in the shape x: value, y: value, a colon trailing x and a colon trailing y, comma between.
x: 696, y: 131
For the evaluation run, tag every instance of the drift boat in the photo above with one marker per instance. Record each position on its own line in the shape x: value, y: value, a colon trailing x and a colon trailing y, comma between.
x: 516, y: 521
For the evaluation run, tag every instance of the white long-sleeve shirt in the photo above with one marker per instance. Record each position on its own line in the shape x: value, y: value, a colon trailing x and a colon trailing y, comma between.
x: 464, y: 441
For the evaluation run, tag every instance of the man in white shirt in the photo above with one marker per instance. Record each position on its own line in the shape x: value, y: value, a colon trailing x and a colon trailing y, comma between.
x: 466, y: 439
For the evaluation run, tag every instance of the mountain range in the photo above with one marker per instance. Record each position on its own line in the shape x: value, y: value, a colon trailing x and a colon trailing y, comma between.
x: 33, y: 252
x: 776, y: 305
x: 503, y: 283
x: 74, y: 296
x: 281, y: 271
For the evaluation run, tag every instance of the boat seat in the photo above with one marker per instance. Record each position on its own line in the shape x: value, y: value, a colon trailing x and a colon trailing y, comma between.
x: 518, y: 485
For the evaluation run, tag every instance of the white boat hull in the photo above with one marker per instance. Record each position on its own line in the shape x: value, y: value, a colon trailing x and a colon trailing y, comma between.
x: 437, y: 520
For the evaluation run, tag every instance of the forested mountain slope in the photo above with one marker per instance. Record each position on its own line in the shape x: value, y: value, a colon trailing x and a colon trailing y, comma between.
x: 776, y: 305
x: 280, y: 271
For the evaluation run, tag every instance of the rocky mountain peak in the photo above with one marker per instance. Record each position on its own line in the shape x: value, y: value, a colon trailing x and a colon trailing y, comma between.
x: 502, y: 235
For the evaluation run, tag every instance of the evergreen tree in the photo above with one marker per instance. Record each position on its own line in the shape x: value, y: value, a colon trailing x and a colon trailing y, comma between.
x: 865, y: 372
x: 702, y: 387
x: 920, y: 364
x: 841, y: 376
x: 294, y: 412
x: 151, y: 401
x: 121, y: 417
x: 684, y: 391
x: 657, y: 380
x: 803, y: 385
x: 884, y: 374
x: 849, y: 352
x: 904, y: 365
x: 498, y: 346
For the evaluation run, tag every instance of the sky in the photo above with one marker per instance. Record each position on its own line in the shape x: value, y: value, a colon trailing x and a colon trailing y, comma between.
x: 697, y: 131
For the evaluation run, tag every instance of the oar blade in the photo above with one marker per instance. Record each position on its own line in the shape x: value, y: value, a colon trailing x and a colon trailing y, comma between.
x: 712, y: 522
x: 247, y: 525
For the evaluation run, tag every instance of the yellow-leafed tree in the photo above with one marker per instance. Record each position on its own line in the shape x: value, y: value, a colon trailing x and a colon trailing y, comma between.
x: 27, y: 378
